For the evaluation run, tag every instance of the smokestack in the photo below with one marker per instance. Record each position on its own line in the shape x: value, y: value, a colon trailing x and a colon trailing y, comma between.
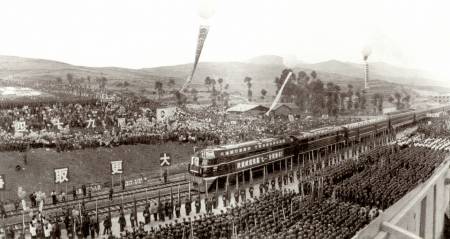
x: 366, y: 74
x: 366, y: 53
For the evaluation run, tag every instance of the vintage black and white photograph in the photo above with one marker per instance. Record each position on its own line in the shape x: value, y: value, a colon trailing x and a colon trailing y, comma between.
x: 224, y: 119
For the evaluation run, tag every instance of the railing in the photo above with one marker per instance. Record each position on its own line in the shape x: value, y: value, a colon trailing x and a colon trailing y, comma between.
x: 419, y: 214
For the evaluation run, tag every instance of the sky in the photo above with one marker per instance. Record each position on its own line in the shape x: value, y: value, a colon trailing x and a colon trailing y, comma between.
x: 148, y: 33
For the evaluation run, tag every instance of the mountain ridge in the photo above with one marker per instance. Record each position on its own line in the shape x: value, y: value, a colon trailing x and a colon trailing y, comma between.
x: 233, y: 73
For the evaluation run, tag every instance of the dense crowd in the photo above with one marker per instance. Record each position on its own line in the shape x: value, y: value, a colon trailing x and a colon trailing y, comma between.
x: 435, y: 127
x: 337, y: 208
x: 93, y: 123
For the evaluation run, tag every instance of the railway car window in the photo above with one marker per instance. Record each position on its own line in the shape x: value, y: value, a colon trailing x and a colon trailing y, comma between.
x: 194, y: 161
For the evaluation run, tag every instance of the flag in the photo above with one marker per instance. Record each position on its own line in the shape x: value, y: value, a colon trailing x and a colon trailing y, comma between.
x: 109, y: 210
x: 135, y: 208
x: 171, y: 196
x: 159, y: 196
x: 280, y: 92
x: 96, y: 210
x: 189, y: 190
x: 178, y: 192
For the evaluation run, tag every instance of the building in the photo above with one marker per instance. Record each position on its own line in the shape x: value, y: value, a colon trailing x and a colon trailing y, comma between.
x: 285, y: 109
x: 247, y: 109
x: 442, y: 99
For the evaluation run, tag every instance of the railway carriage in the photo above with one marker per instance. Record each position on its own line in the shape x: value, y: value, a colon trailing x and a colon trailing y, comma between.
x: 208, y: 164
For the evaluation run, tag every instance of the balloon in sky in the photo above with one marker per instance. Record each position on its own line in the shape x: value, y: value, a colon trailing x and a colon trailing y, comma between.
x: 206, y: 8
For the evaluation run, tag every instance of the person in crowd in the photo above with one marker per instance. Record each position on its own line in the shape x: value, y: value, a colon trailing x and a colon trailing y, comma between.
x: 54, y: 197
x: 74, y: 193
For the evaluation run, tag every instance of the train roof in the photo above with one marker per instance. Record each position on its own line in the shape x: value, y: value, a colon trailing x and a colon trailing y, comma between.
x: 249, y: 143
x: 365, y: 122
x: 238, y: 148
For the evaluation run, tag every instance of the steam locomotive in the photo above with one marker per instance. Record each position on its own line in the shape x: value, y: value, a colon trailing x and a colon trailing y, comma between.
x: 210, y: 163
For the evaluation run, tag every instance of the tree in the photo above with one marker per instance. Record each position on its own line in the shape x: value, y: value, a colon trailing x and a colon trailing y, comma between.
x: 89, y: 82
x: 220, y: 81
x: 342, y: 96
x: 180, y: 97
x: 159, y: 88
x: 248, y: 81
x: 313, y: 74
x: 332, y: 101
x: 208, y: 83
x: 80, y: 85
x: 213, y: 84
x: 356, y: 104
x: 398, y: 98
x: 194, y: 94
x: 363, y: 100
x: 263, y: 93
x: 406, y: 100
x: 69, y: 78
x: 377, y: 101
x: 59, y: 80
x: 317, y: 99
x: 103, y: 81
x: 301, y: 76
x: 391, y: 99
x: 171, y: 82
x: 380, y: 104
x: 350, y: 96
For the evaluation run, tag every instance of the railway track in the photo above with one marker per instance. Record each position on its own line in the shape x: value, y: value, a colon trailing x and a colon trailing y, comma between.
x: 102, y: 204
x: 104, y: 195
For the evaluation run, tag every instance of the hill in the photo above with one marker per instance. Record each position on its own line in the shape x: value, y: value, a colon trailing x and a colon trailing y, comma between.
x: 378, y: 71
x: 262, y: 70
x: 32, y: 71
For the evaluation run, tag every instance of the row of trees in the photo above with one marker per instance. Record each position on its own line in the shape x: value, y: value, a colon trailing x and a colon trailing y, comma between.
x: 311, y: 95
x: 400, y: 101
x: 80, y: 86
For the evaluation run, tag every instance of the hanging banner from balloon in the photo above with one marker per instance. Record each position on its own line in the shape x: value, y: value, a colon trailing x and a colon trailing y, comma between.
x: 206, y: 9
x: 202, y: 34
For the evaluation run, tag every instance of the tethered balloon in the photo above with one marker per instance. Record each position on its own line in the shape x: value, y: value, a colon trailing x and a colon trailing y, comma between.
x: 206, y: 9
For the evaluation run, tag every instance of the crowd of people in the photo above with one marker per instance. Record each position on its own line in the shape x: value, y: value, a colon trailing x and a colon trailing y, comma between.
x: 95, y: 123
x: 332, y: 200
x: 349, y: 197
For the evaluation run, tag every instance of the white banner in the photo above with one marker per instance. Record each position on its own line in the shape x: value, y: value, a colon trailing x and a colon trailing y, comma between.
x: 280, y: 92
x: 164, y: 114
x: 116, y: 167
x: 121, y: 122
x: 61, y: 175
x: 20, y: 126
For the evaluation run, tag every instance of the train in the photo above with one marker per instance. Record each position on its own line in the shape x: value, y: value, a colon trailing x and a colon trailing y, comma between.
x: 208, y: 164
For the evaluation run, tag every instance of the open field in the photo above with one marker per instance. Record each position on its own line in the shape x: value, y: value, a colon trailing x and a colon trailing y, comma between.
x: 87, y: 166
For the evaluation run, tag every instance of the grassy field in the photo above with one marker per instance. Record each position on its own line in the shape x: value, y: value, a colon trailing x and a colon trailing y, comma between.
x: 87, y: 166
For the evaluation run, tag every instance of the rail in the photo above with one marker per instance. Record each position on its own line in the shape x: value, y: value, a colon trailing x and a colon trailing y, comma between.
x: 419, y: 214
x: 127, y: 202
